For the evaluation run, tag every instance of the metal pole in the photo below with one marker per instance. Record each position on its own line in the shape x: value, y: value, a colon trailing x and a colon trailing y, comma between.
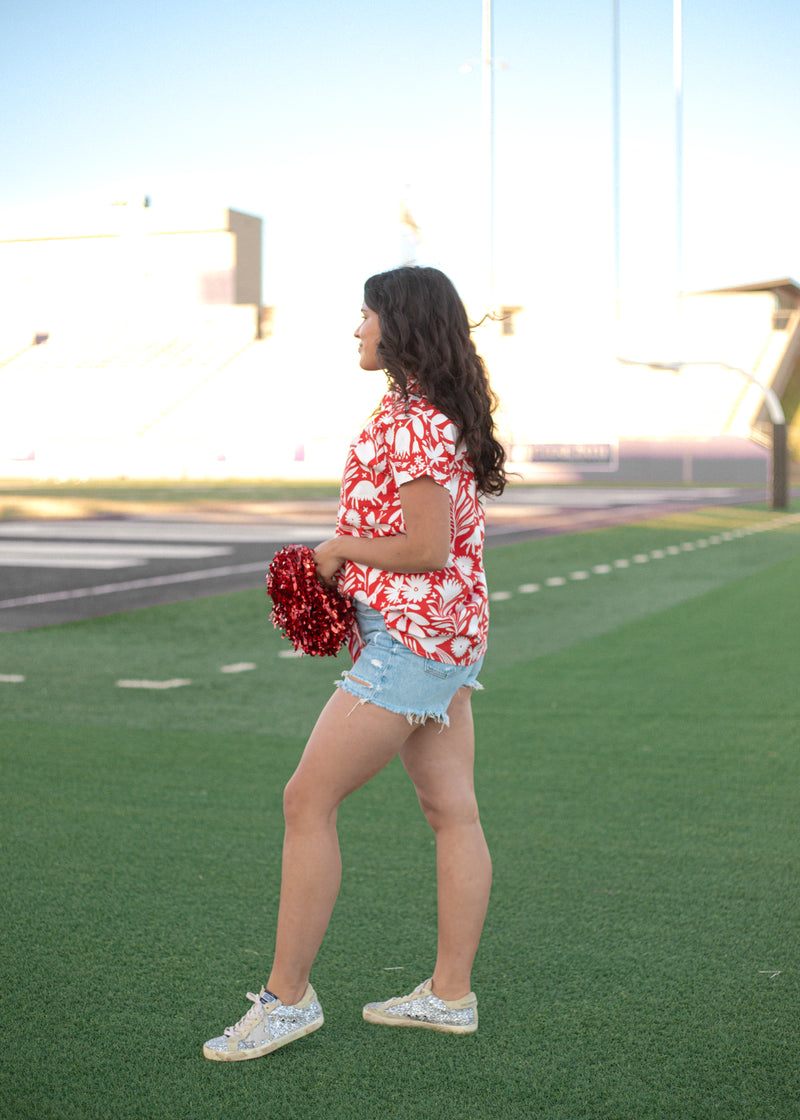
x: 488, y: 132
x: 780, y: 455
x: 780, y: 467
x: 615, y: 109
x: 677, y: 71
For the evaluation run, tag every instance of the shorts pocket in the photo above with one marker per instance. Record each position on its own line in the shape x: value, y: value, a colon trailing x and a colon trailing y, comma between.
x: 439, y: 670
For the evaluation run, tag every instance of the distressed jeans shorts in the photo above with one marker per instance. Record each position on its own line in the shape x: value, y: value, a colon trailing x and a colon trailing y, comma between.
x: 389, y: 674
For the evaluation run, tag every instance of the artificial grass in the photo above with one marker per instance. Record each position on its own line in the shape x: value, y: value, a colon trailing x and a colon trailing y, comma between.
x: 637, y: 773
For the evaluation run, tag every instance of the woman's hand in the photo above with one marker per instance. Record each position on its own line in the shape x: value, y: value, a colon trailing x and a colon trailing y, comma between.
x: 328, y: 561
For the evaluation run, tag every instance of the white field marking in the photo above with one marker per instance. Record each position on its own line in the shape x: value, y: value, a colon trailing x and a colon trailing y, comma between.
x: 11, y: 678
x: 178, y: 682
x: 114, y: 548
x: 288, y: 654
x: 203, y: 532
x: 644, y: 558
x: 239, y: 667
x: 89, y: 563
x: 98, y: 555
x: 133, y: 585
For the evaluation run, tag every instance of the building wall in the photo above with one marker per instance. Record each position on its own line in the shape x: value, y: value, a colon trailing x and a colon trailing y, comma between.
x: 130, y: 260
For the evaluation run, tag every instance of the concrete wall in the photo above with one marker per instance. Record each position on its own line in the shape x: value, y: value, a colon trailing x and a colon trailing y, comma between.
x: 126, y: 261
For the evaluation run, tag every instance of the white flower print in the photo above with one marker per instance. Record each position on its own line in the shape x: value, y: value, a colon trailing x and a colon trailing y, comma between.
x: 402, y: 441
x: 395, y: 590
x: 448, y: 590
x: 416, y: 588
x: 442, y: 614
x: 459, y: 646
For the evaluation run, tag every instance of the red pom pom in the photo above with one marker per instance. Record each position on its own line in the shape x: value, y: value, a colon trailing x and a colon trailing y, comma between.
x: 315, y: 619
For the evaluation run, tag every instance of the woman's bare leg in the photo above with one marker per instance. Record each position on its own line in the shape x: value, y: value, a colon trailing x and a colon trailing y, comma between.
x: 350, y: 743
x: 440, y: 764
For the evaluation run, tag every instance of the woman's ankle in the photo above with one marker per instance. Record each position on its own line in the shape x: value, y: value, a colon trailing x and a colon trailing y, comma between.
x: 290, y: 994
x: 450, y: 989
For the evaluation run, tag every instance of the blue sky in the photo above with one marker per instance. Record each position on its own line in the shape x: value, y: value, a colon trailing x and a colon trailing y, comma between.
x: 322, y: 117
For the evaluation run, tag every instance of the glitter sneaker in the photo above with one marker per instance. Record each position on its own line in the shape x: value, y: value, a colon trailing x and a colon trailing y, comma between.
x: 423, y: 1009
x: 268, y: 1025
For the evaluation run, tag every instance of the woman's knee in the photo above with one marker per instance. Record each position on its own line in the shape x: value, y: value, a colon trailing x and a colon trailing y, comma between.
x: 452, y: 811
x: 305, y: 801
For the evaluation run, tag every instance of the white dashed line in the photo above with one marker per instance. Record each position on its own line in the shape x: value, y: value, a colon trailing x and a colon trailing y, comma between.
x: 176, y: 683
x: 133, y: 585
x: 291, y: 654
x: 654, y: 554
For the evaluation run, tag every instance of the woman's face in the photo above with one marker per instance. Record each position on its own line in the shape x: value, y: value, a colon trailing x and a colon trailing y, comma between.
x: 368, y: 334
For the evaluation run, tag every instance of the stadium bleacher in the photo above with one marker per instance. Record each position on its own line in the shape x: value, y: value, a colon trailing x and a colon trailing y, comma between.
x: 184, y: 387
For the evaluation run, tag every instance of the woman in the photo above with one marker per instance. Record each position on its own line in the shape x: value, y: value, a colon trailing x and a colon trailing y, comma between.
x: 408, y: 549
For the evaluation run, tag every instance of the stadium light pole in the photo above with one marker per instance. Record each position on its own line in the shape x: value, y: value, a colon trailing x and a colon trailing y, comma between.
x: 615, y: 162
x: 487, y: 98
x: 779, y: 497
x: 780, y: 463
x: 616, y: 101
x: 677, y: 74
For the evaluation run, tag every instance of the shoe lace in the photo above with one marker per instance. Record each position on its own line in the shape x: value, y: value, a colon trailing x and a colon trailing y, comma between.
x: 249, y: 1020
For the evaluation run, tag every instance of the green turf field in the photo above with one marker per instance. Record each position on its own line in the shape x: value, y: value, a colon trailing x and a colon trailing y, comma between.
x: 638, y: 774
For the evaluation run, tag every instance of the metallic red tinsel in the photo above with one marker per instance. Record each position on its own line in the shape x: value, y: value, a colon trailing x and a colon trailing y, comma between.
x: 315, y: 619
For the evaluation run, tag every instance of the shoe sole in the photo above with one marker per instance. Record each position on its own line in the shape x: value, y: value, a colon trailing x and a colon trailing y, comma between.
x: 383, y: 1019
x: 260, y: 1051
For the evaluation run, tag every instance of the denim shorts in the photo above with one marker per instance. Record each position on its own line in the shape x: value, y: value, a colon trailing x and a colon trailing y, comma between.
x: 389, y: 674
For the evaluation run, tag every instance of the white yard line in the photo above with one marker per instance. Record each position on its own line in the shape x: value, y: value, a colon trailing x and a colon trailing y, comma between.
x: 134, y: 585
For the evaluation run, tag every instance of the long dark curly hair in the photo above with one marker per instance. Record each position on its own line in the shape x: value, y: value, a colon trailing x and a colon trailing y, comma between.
x: 425, y: 336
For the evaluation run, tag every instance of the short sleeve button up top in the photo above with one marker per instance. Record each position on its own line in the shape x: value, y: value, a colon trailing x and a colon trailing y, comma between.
x: 442, y: 615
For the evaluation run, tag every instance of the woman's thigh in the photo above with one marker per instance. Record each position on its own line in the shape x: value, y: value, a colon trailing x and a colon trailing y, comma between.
x: 440, y: 762
x: 350, y: 743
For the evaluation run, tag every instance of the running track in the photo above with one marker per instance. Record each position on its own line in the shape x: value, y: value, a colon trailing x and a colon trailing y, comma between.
x: 63, y: 571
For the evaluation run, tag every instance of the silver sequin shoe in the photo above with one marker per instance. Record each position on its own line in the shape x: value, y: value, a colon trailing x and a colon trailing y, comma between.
x: 423, y: 1009
x: 268, y: 1025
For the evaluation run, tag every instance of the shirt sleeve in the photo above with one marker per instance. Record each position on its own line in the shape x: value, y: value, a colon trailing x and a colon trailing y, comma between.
x: 421, y: 443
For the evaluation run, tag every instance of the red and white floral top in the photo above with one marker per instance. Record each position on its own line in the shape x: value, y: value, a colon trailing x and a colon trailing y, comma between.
x: 442, y: 615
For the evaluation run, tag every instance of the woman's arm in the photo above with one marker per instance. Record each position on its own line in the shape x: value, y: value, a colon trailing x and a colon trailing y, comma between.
x: 424, y: 547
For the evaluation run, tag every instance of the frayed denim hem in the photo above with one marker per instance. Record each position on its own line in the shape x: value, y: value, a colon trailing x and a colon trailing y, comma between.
x: 414, y: 718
